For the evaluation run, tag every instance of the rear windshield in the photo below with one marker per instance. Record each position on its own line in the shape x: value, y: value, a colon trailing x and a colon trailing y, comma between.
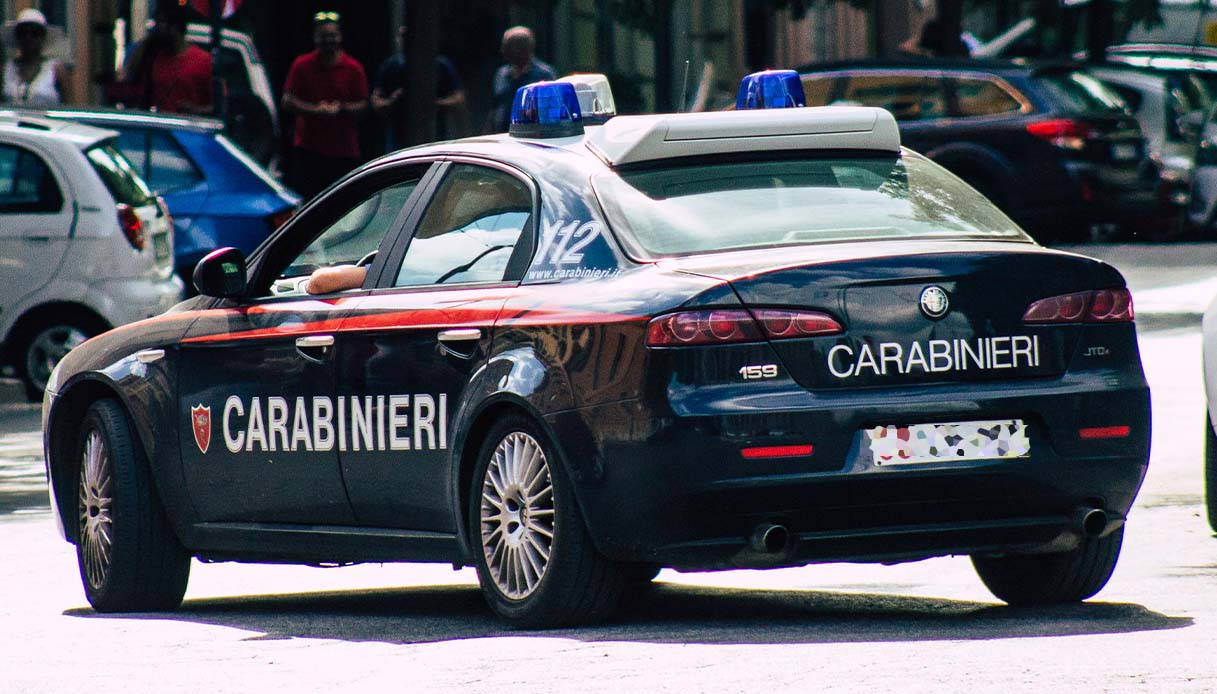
x: 703, y: 208
x: 1080, y: 93
x: 118, y: 175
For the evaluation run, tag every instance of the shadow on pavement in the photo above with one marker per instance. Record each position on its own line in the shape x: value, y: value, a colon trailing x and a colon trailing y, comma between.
x: 665, y: 613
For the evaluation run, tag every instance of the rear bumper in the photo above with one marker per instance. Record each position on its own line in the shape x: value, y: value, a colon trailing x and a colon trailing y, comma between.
x: 677, y: 491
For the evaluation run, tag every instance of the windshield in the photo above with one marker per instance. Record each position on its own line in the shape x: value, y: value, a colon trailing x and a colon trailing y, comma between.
x: 1081, y: 93
x: 119, y: 177
x: 702, y: 208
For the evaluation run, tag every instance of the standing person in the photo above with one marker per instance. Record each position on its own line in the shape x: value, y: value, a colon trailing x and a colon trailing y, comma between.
x: 327, y: 90
x: 388, y: 96
x: 165, y: 72
x: 522, y: 68
x: 30, y: 78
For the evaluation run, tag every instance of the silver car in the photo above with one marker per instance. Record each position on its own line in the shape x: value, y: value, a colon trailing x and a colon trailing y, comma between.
x: 84, y: 245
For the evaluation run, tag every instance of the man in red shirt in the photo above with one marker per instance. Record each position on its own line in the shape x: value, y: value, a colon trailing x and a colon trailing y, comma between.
x: 327, y: 90
x: 172, y: 75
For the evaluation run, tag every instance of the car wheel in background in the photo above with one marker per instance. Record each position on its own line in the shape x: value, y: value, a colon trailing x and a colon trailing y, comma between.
x: 42, y: 346
x: 130, y: 560
x: 535, y: 561
x: 1210, y: 471
x: 1045, y: 579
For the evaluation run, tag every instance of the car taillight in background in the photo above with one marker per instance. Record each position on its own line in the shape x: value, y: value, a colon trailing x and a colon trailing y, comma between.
x: 1099, y: 306
x: 1065, y: 133
x: 725, y: 326
x: 278, y: 219
x: 132, y: 226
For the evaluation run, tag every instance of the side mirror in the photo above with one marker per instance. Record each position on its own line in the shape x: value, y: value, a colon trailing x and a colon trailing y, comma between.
x: 221, y: 273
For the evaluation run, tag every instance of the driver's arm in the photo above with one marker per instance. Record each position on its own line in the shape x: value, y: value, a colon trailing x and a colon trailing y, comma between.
x: 337, y: 278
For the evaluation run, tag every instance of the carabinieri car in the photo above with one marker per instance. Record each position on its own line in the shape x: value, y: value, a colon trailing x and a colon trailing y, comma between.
x: 573, y: 354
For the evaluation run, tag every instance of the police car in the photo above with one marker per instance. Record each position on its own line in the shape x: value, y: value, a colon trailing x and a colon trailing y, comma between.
x: 577, y: 353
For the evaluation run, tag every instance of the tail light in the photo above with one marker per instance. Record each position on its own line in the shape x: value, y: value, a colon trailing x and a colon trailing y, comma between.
x: 726, y: 326
x: 1065, y: 133
x: 278, y: 219
x: 132, y: 226
x: 1099, y: 306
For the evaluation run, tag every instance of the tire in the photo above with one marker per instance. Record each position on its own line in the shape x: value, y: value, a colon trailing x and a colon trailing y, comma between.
x: 130, y: 560
x: 535, y: 560
x: 1210, y: 471
x: 42, y: 348
x: 1047, y: 579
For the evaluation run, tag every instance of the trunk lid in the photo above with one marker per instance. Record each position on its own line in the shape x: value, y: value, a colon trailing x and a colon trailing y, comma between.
x: 888, y: 338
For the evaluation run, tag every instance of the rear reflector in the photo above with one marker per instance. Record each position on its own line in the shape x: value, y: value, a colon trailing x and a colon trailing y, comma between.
x: 776, y: 451
x: 1116, y: 432
x: 1100, y: 306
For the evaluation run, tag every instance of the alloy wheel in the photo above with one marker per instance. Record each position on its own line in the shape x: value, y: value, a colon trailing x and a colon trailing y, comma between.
x: 517, y: 515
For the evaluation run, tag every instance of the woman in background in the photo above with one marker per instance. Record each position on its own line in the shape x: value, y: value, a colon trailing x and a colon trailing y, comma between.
x: 30, y: 78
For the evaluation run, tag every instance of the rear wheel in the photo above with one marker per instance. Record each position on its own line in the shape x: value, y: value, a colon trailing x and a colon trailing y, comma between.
x: 1210, y: 471
x: 535, y: 561
x: 1045, y: 579
x: 42, y: 349
x: 130, y: 560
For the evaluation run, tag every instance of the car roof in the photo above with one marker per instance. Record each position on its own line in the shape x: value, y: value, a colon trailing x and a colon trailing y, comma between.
x: 122, y: 117
x: 627, y: 140
x: 915, y: 63
x: 82, y: 136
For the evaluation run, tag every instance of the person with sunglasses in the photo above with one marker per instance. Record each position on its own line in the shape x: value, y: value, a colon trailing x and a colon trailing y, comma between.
x: 327, y: 91
x: 31, y: 78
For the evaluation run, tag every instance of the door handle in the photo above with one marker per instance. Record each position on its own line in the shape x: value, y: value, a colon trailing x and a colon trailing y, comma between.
x: 315, y: 348
x: 314, y: 341
x: 460, y: 335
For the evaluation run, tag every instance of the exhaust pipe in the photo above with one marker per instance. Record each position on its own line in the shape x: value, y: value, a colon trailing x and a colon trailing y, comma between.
x: 1090, y: 522
x: 770, y: 538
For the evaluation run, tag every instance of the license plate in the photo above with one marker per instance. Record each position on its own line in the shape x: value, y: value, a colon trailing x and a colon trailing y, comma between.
x: 946, y: 442
x: 160, y: 245
x: 1124, y: 152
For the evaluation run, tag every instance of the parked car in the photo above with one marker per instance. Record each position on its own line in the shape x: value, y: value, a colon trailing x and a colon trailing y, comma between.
x: 250, y: 114
x: 1170, y: 106
x: 570, y: 356
x: 85, y: 245
x: 1049, y: 144
x: 1175, y: 87
x: 218, y: 195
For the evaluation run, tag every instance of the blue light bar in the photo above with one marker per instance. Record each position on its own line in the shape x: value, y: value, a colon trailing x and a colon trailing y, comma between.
x: 770, y: 89
x: 546, y: 109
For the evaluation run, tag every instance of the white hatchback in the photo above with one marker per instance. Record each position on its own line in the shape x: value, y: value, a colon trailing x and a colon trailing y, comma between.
x: 84, y: 245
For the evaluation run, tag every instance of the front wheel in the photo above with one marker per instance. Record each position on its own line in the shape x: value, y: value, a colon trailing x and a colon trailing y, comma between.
x: 130, y: 560
x: 1210, y: 471
x: 535, y: 560
x: 1046, y: 579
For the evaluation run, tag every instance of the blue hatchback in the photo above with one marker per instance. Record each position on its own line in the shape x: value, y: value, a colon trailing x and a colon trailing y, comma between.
x: 218, y: 195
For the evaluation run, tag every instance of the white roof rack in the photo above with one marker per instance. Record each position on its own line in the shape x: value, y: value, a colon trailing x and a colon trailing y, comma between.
x: 631, y: 139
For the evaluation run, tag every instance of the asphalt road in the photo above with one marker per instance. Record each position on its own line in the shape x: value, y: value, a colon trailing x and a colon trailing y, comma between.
x: 922, y: 627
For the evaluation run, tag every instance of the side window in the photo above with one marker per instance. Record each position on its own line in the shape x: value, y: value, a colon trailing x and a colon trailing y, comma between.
x: 159, y: 159
x: 27, y: 185
x: 350, y: 240
x: 981, y: 97
x: 469, y: 230
x: 908, y: 97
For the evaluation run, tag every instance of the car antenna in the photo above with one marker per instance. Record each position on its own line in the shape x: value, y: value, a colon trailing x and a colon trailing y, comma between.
x: 684, y: 86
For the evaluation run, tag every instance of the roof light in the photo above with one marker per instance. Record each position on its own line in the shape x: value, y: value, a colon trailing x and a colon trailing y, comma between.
x: 770, y: 89
x: 595, y: 97
x: 546, y: 109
